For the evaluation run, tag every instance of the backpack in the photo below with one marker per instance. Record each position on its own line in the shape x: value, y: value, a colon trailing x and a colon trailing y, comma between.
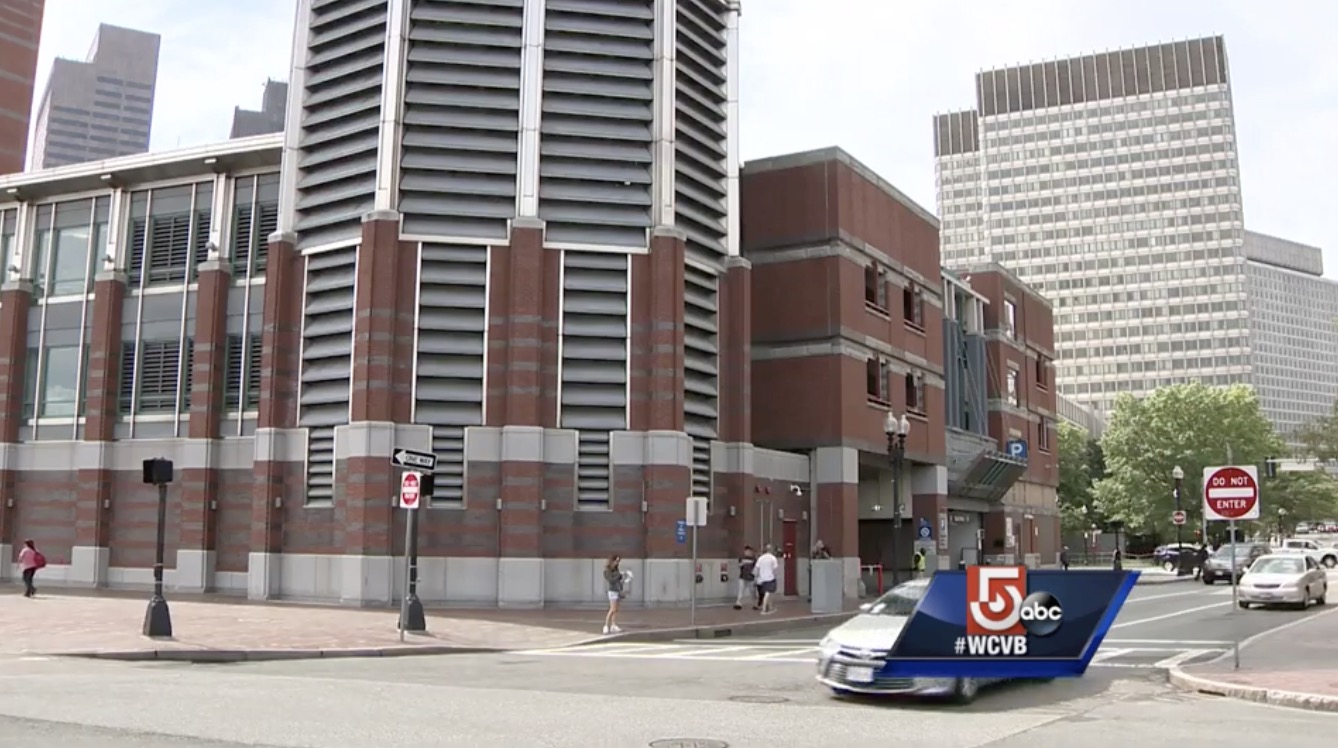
x: 39, y: 559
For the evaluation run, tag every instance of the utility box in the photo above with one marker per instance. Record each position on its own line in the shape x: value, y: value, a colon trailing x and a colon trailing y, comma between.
x: 828, y: 585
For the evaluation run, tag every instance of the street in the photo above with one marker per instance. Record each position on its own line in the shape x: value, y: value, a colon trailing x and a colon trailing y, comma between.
x: 757, y: 693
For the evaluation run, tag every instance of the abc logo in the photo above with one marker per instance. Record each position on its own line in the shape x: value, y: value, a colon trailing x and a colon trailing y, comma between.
x: 1041, y: 613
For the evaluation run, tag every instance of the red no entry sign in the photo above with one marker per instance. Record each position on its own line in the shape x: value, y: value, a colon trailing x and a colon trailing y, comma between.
x: 1231, y: 492
x: 1178, y: 517
x: 410, y: 490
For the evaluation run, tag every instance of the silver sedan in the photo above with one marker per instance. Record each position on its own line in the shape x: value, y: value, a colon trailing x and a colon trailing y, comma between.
x: 1278, y: 579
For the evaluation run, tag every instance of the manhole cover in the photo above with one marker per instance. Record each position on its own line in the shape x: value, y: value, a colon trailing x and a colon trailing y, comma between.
x: 759, y: 699
x: 689, y: 743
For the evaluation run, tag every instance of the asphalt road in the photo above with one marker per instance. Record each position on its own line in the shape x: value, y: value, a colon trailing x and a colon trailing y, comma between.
x: 592, y: 700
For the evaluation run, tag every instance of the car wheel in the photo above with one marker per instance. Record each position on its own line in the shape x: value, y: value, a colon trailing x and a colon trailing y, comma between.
x: 1209, y: 580
x: 840, y: 693
x: 966, y: 690
x: 1168, y: 566
x: 1330, y: 562
x: 1243, y: 605
x: 1323, y: 598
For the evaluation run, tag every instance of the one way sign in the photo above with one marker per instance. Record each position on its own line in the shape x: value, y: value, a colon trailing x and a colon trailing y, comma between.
x: 407, y: 458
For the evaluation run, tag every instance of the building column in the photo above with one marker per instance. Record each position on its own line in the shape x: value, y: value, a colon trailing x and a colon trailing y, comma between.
x: 280, y: 453
x: 524, y: 298
x: 657, y: 333
x: 736, y: 344
x: 837, y: 470
x: 1002, y: 525
x: 91, y: 555
x: 16, y: 299
x: 929, y: 502
x: 199, y: 485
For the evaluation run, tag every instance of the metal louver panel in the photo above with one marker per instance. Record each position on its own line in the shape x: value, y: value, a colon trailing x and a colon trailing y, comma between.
x: 701, y: 357
x: 458, y: 159
x: 242, y: 377
x: 452, y: 336
x: 126, y: 391
x: 341, y: 113
x: 594, y: 363
x: 327, y: 361
x: 701, y: 128
x: 598, y: 109
x: 255, y: 218
x: 159, y: 375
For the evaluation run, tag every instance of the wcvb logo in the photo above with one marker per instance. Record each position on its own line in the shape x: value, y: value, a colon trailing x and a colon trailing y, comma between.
x: 997, y: 603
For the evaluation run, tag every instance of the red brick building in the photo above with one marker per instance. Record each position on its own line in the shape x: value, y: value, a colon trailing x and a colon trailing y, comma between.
x: 20, y: 32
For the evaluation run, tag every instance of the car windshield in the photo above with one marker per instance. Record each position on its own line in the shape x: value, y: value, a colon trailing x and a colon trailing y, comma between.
x: 900, y: 600
x: 1278, y: 566
x: 1225, y: 551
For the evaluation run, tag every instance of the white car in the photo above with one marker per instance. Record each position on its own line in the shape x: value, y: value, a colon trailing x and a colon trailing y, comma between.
x: 852, y: 656
x: 1326, y: 556
x: 1283, y: 579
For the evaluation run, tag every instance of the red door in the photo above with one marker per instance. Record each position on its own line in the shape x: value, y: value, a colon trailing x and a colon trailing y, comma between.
x: 789, y: 537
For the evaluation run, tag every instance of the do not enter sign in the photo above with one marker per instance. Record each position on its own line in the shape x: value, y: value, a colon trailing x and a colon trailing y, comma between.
x: 1178, y: 517
x: 1231, y: 492
x: 411, y: 490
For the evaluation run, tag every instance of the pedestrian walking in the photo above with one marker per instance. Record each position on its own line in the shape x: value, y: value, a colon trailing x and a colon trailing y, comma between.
x: 1118, y: 560
x: 765, y: 571
x: 616, y: 582
x: 820, y: 551
x: 918, y: 562
x: 1200, y: 560
x: 1064, y: 558
x: 747, y: 583
x: 31, y: 561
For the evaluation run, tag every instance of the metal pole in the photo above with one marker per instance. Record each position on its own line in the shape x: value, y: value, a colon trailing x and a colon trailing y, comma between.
x: 158, y: 618
x: 1180, y: 555
x: 692, y: 596
x: 415, y: 619
x: 1235, y: 600
x: 404, y: 599
x: 896, y: 517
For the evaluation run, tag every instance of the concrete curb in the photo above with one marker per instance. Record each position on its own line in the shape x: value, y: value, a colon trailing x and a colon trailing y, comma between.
x: 219, y: 656
x: 1272, y: 696
x: 724, y: 630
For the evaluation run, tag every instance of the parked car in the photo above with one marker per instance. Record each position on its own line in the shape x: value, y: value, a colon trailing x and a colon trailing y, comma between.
x: 1327, y: 557
x: 1283, y: 579
x: 853, y: 655
x: 1168, y: 556
x: 1219, y: 567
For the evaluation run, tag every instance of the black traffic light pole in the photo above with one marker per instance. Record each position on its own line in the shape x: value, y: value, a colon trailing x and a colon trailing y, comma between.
x: 412, y: 617
x: 158, y: 618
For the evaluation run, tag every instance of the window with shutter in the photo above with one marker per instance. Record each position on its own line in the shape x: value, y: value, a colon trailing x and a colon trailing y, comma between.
x: 127, y: 388
x: 139, y: 233
x: 200, y: 238
x: 242, y: 238
x: 267, y: 222
x: 185, y: 374
x: 232, y: 385
x: 254, y: 342
x: 159, y: 375
x: 169, y: 248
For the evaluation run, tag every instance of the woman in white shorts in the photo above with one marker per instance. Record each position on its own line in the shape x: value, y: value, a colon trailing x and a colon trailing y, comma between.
x: 614, y: 578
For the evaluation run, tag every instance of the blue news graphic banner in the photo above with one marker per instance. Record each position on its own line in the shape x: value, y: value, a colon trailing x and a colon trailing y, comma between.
x: 1009, y: 622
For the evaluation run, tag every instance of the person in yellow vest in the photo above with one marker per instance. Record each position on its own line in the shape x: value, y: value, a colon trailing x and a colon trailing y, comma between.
x: 918, y: 561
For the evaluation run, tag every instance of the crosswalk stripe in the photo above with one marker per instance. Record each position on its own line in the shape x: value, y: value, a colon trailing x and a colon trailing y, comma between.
x: 782, y: 654
x: 1108, y: 654
x: 1182, y: 658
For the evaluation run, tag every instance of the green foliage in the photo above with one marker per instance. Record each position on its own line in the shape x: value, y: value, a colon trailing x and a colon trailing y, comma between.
x: 1189, y: 425
x: 1077, y: 471
x: 1320, y: 437
x: 1303, y: 496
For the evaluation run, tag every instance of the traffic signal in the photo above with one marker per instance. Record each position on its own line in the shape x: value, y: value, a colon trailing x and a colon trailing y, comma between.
x: 1271, y: 467
x: 427, y: 484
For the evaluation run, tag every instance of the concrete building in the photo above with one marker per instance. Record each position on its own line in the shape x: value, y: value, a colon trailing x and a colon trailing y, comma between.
x: 1084, y: 418
x: 1293, y: 325
x: 851, y: 319
x: 1110, y: 183
x: 101, y: 107
x: 268, y: 119
x: 20, y: 33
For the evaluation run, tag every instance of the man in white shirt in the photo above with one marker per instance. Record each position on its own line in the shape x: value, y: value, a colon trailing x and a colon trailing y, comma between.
x: 765, y: 572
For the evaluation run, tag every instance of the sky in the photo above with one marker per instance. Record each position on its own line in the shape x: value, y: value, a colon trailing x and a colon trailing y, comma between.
x: 867, y: 75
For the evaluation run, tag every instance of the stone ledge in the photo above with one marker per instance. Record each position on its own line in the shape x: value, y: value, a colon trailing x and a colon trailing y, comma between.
x: 1272, y: 696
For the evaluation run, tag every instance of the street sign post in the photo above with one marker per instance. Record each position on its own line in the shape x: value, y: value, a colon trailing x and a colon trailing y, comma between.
x: 1178, y: 517
x: 414, y: 487
x: 696, y: 511
x: 410, y: 493
x: 1231, y: 493
x: 414, y: 460
x: 681, y: 531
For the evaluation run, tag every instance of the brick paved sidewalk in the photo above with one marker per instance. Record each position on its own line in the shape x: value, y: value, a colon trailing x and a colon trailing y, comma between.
x: 110, y: 624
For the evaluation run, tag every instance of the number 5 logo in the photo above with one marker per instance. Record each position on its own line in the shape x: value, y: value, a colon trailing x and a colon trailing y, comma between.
x: 994, y: 597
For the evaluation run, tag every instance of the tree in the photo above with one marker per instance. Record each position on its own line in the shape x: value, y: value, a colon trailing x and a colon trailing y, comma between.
x: 1078, y: 463
x: 1303, y: 496
x: 1319, y: 438
x: 1192, y: 426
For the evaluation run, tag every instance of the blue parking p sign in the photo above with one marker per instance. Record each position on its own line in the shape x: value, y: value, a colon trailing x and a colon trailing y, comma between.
x: 1017, y: 449
x: 681, y: 531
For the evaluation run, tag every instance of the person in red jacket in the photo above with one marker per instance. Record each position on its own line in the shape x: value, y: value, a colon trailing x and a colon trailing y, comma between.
x: 30, y: 560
